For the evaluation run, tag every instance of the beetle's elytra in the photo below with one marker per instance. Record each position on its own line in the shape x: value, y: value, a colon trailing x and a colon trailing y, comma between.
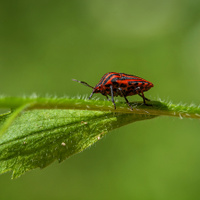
x: 120, y: 84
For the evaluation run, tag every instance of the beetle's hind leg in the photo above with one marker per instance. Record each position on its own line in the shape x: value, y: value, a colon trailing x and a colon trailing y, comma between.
x: 125, y: 98
x: 144, y: 98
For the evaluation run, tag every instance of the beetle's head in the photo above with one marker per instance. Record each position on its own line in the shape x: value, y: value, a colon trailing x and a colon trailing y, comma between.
x: 97, y: 89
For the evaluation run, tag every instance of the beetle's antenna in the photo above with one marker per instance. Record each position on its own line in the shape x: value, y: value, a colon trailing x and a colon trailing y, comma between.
x: 84, y: 83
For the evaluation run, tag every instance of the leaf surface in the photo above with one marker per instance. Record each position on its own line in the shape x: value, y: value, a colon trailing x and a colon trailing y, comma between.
x: 38, y: 137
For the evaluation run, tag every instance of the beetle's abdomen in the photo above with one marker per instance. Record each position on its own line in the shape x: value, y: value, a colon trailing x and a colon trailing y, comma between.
x: 136, y: 87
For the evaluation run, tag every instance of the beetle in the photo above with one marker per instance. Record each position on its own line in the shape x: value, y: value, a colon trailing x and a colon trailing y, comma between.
x: 120, y: 84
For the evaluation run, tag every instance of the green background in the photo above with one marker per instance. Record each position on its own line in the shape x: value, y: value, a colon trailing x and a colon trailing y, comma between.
x: 44, y: 44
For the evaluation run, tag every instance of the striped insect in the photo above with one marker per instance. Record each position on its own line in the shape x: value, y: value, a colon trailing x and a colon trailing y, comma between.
x: 120, y: 84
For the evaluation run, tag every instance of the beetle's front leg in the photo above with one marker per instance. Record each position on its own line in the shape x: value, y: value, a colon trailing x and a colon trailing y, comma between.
x: 112, y: 96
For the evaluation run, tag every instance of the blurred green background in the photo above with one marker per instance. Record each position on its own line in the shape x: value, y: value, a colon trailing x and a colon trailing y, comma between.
x: 44, y: 44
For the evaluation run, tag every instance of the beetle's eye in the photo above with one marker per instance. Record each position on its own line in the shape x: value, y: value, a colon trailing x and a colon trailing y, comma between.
x: 97, y: 90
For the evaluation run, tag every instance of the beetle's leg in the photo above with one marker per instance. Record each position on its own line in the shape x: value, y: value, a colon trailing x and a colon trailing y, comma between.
x: 112, y: 96
x: 125, y: 98
x: 107, y: 97
x: 144, y: 97
x: 91, y: 95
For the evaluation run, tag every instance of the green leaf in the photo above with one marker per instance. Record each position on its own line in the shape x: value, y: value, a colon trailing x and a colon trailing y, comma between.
x: 34, y: 132
x: 38, y: 137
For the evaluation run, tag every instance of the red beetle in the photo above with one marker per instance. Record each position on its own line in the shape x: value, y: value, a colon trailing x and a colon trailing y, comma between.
x: 120, y: 84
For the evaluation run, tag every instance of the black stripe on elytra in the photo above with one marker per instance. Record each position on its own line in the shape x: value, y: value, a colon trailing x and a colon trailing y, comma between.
x: 134, y: 82
x: 102, y: 79
x: 107, y: 78
x: 128, y: 78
